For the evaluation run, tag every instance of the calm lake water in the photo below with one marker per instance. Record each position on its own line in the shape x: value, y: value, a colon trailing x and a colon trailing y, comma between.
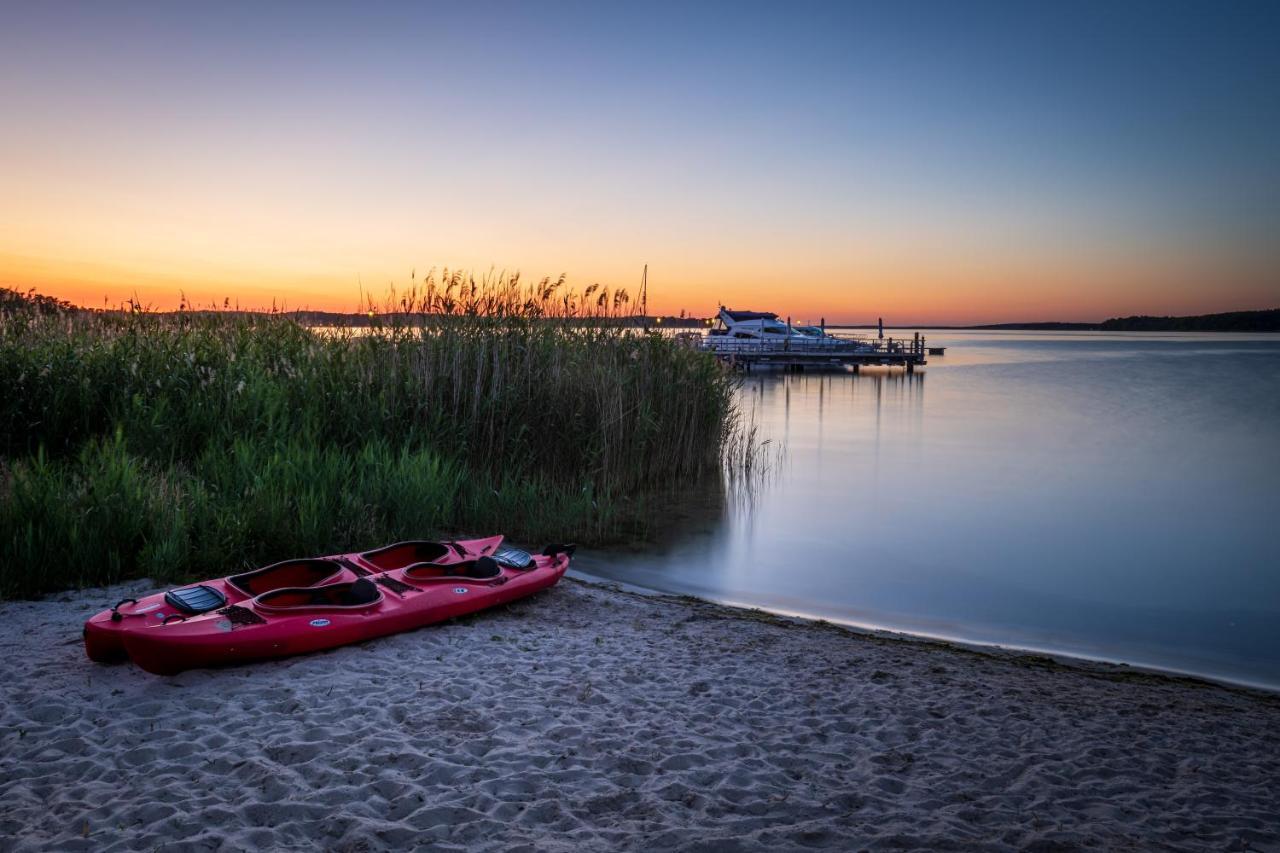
x: 1112, y: 496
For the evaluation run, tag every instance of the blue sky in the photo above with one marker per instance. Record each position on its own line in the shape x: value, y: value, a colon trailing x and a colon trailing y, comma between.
x: 950, y: 160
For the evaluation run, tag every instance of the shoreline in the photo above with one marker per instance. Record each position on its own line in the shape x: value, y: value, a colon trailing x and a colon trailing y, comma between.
x: 1105, y: 667
x: 594, y: 718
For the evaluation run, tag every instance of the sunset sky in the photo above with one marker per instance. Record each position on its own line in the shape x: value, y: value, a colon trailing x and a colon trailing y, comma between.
x: 925, y: 162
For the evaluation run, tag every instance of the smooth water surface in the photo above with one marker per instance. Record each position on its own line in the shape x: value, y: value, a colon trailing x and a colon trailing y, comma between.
x: 1108, y: 495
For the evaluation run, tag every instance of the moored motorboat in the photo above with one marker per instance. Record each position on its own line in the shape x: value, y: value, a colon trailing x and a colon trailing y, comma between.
x: 105, y: 633
x: 758, y: 330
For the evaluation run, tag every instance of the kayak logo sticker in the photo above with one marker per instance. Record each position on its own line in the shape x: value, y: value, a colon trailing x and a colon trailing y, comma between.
x: 319, y: 623
x: 460, y: 590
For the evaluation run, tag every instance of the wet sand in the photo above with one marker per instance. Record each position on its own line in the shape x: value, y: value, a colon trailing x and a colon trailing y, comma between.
x: 589, y: 718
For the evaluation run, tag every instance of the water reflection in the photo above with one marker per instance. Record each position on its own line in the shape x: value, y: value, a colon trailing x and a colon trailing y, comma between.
x: 1100, y: 495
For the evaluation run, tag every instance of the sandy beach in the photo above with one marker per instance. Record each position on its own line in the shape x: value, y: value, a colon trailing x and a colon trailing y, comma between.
x: 590, y: 718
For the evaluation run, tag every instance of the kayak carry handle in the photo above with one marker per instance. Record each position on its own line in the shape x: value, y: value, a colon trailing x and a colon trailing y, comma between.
x: 173, y: 616
x: 116, y: 616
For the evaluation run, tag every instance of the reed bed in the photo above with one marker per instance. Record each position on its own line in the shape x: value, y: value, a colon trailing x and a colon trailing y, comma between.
x: 195, y: 443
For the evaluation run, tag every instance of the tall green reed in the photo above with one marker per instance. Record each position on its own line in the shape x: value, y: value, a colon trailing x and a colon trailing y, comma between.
x: 172, y: 445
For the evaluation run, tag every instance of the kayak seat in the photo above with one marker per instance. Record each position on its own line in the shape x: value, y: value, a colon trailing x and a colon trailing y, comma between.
x: 355, y: 594
x: 403, y: 554
x: 483, y: 568
x: 360, y: 593
x: 514, y: 558
x: 194, y: 600
x: 290, y: 573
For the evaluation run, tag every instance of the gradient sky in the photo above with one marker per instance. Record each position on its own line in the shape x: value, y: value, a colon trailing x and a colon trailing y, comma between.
x: 928, y: 162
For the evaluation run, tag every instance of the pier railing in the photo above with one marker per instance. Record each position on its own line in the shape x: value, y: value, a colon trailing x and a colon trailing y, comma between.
x: 885, y: 346
x: 907, y: 352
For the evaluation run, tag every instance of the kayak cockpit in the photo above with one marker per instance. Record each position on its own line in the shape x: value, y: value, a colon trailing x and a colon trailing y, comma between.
x: 357, y: 595
x: 290, y: 573
x: 403, y: 554
x: 484, y: 568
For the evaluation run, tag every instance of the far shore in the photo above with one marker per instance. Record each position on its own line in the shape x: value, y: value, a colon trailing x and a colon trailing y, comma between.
x: 1258, y: 320
x: 591, y: 718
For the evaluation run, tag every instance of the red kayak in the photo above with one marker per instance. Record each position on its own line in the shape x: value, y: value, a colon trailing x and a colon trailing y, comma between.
x: 106, y: 635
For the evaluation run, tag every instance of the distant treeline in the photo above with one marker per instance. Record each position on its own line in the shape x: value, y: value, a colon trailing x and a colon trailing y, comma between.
x: 1232, y: 321
x: 36, y: 303
x: 32, y: 301
x: 334, y: 318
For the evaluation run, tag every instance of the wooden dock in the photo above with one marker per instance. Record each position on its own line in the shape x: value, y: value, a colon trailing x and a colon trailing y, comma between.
x: 907, y: 353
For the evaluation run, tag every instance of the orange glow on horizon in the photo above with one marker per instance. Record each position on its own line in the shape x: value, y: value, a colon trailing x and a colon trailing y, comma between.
x: 942, y: 293
x: 289, y: 246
